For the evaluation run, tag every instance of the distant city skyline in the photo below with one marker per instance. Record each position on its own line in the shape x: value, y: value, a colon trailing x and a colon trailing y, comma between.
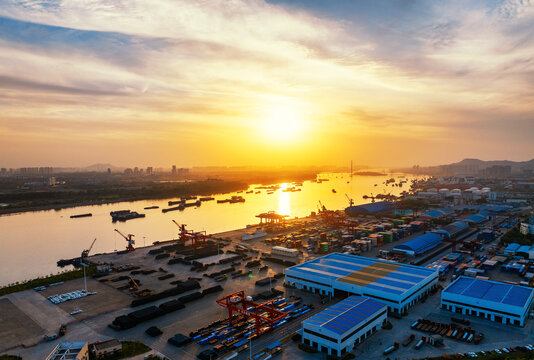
x: 281, y: 82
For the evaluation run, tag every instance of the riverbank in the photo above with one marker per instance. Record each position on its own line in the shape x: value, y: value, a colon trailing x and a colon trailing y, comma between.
x: 47, y: 280
x: 56, y: 198
x: 66, y: 196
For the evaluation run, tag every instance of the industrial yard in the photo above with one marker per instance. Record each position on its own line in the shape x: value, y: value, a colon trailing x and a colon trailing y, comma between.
x: 186, y: 287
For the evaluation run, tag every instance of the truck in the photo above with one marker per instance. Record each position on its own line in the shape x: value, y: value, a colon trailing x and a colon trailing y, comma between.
x: 408, y: 340
x: 392, y: 348
x: 420, y: 343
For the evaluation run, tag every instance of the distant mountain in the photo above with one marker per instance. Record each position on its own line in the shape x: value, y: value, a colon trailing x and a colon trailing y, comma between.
x: 476, y: 167
x: 485, y: 164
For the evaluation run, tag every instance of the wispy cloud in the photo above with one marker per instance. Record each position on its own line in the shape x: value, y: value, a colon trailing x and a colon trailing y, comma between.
x: 165, y: 66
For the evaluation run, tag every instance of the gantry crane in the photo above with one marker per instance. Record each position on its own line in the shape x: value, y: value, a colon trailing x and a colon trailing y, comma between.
x: 197, y: 238
x: 86, y: 252
x: 265, y: 315
x: 128, y: 239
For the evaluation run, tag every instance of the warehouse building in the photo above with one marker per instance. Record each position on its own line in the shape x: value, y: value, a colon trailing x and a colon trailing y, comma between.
x: 103, y: 349
x: 495, y: 301
x: 370, y: 208
x: 399, y: 286
x: 476, y: 219
x: 456, y: 229
x: 337, y: 329
x: 420, y: 244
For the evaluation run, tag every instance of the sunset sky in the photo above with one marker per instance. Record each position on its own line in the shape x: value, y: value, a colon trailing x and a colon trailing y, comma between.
x: 229, y: 82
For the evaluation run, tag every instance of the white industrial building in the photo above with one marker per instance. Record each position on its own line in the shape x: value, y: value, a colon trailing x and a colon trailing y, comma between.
x: 282, y: 251
x: 495, y: 301
x: 399, y: 286
x: 340, y: 327
x: 526, y: 228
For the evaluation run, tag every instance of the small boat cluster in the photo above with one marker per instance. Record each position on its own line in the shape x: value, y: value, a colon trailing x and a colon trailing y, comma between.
x: 124, y: 215
x: 234, y: 199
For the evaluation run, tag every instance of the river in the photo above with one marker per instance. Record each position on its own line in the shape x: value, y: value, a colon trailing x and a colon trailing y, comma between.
x: 32, y: 242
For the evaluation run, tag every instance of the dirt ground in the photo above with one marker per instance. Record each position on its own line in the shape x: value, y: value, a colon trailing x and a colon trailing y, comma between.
x: 15, y: 325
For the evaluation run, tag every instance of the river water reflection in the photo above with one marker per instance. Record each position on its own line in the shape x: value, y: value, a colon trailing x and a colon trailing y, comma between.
x: 32, y: 242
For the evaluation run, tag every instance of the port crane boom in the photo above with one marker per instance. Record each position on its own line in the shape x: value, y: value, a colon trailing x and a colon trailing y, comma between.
x: 129, y: 239
x: 351, y: 202
x: 182, y: 227
x: 86, y: 252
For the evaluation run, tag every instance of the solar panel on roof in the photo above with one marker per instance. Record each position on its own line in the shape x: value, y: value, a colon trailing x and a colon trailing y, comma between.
x: 346, y: 314
x: 490, y: 291
x: 362, y: 271
x: 517, y: 296
x: 398, y: 275
x: 393, y: 283
x: 385, y: 289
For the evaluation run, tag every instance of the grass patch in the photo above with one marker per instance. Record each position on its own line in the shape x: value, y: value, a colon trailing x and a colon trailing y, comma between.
x: 10, y: 357
x: 132, y: 348
x: 517, y: 355
x: 30, y: 284
x: 515, y: 236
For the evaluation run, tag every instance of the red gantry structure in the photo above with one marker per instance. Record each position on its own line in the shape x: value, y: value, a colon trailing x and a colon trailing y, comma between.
x: 196, y: 238
x: 239, y: 303
x: 271, y: 217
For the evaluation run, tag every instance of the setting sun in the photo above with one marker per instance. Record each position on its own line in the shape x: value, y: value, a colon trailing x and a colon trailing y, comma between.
x: 283, y: 122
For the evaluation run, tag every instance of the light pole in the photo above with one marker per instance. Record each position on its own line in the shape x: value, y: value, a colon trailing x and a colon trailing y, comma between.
x: 84, y: 278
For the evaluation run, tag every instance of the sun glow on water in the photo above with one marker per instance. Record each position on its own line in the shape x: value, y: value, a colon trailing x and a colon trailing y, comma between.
x: 284, y: 203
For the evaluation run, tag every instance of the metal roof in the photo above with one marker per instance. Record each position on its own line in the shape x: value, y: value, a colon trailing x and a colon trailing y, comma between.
x: 477, y: 218
x: 513, y: 247
x: 524, y: 249
x: 421, y: 243
x: 438, y: 212
x: 346, y: 314
x: 456, y: 227
x: 434, y: 213
x: 381, y: 275
x: 492, y: 291
x: 371, y: 208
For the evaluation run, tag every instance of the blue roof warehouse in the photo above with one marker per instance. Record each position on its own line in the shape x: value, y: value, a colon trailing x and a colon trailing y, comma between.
x: 399, y: 286
x: 343, y: 325
x: 495, y: 301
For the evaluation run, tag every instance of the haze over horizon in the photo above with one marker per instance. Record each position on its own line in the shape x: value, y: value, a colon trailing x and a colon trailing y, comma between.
x: 216, y: 83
